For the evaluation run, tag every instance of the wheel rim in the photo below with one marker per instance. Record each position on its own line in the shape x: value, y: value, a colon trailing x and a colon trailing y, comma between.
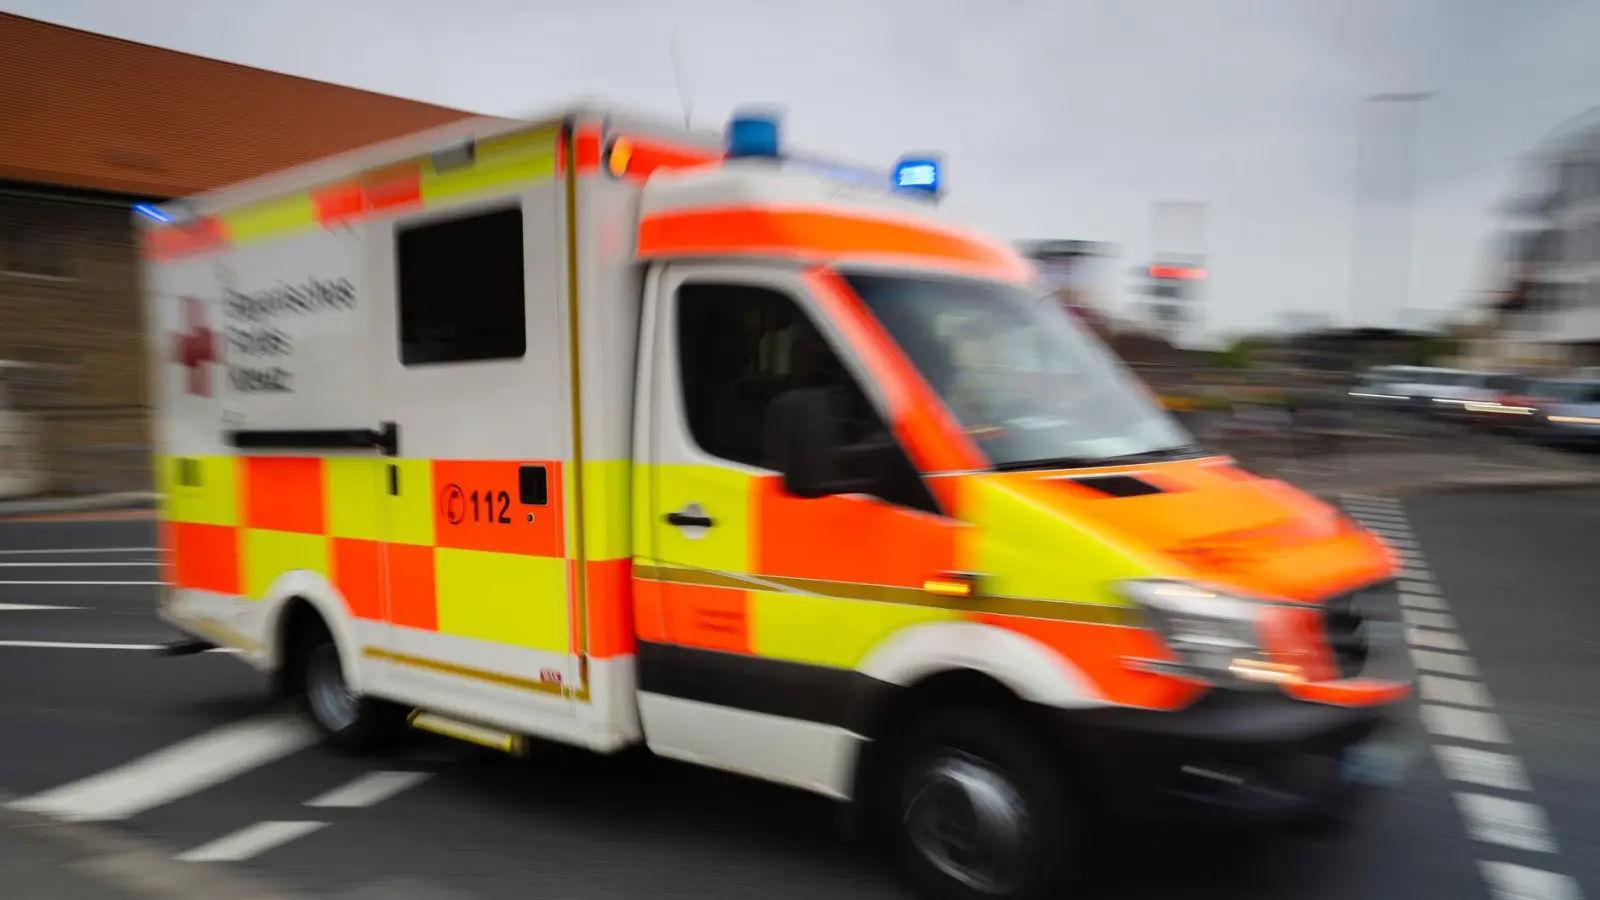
x: 332, y: 700
x: 969, y: 821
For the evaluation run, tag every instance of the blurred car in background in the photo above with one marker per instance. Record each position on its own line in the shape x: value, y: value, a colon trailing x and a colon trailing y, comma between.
x: 1566, y: 413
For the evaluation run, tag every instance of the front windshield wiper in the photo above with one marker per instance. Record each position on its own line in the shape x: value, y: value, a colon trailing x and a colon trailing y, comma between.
x: 1181, y: 451
x: 1049, y: 462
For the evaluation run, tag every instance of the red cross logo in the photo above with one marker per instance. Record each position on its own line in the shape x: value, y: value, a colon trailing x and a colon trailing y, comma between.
x: 196, y: 346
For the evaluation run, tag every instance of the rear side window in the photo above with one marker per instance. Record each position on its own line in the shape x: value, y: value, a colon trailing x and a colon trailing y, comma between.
x: 460, y: 286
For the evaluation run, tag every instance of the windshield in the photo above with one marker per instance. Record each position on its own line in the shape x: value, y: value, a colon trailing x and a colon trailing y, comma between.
x: 1020, y: 374
x: 1573, y: 391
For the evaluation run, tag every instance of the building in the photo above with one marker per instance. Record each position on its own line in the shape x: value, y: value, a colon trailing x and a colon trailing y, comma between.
x: 92, y: 125
x: 1550, y: 311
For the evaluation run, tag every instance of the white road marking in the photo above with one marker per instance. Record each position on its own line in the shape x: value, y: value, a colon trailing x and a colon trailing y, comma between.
x: 1439, y: 689
x: 1509, y: 823
x: 1448, y: 663
x: 25, y: 607
x: 176, y: 771
x: 1509, y: 881
x: 1501, y: 821
x: 1464, y: 724
x: 369, y: 790
x: 88, y: 583
x: 1484, y: 768
x: 79, y: 645
x: 1436, y: 640
x: 77, y: 565
x: 1419, y: 619
x: 1421, y: 601
x: 69, y: 550
x: 248, y: 843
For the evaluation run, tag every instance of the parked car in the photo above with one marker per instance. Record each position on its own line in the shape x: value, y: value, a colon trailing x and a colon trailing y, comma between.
x: 1567, y: 413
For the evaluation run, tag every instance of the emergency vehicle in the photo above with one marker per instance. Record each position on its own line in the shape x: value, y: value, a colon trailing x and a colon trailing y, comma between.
x: 595, y: 431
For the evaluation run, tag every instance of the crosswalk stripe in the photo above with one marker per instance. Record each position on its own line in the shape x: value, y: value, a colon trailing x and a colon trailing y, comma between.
x: 368, y: 790
x: 173, y: 772
x: 248, y: 843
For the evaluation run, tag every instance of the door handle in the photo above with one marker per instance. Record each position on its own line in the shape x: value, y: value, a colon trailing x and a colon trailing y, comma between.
x: 690, y: 517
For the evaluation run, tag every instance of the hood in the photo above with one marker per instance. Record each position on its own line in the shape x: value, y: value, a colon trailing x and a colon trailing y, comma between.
x: 1211, y: 520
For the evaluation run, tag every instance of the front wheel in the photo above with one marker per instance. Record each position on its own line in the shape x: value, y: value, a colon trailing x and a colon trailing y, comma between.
x: 979, y: 809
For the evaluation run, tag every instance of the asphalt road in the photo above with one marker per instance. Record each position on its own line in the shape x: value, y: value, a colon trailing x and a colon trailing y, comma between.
x: 1518, y: 573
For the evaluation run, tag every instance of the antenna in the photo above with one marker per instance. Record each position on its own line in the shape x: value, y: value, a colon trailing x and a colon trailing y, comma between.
x: 683, y: 80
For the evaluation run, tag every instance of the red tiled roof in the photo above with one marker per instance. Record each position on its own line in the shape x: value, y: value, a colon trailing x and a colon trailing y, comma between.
x: 84, y: 110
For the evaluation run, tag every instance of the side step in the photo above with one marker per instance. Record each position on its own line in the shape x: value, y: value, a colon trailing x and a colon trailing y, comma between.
x: 184, y: 647
x: 471, y: 732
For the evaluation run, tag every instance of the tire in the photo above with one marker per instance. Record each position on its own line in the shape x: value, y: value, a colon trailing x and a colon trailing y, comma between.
x: 999, y: 760
x: 348, y: 721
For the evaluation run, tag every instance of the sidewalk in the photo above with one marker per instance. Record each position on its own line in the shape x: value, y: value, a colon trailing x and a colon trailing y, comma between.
x: 45, y: 860
x: 128, y: 500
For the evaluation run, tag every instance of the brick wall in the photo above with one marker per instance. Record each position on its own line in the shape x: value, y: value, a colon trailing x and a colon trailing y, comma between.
x: 70, y: 300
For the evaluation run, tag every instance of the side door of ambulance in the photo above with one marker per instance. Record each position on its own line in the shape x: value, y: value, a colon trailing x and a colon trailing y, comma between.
x: 471, y: 369
x: 754, y: 607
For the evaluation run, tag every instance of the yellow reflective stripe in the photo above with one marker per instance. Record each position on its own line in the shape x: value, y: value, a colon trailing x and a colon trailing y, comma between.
x: 408, y: 515
x: 607, y: 531
x: 828, y: 631
x: 725, y: 495
x: 353, y: 486
x: 271, y: 218
x: 270, y: 554
x: 505, y: 598
x: 498, y: 163
x: 211, y: 494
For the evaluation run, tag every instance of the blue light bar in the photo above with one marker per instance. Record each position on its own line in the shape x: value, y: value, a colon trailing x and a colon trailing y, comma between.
x: 753, y: 136
x: 918, y: 173
x: 151, y: 212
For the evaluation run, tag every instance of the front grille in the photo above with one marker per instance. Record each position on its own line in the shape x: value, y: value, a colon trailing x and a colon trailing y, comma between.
x: 1345, y: 619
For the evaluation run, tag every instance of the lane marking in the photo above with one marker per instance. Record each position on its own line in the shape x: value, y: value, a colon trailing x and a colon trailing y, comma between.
x: 1509, y: 881
x: 1457, y: 691
x: 369, y: 790
x: 250, y: 842
x: 130, y: 564
x: 72, y: 550
x: 1448, y: 663
x: 23, y: 607
x: 1464, y: 724
x: 1436, y: 640
x: 1417, y: 619
x: 1421, y: 601
x: 1484, y: 768
x: 81, y: 645
x: 1500, y: 821
x: 88, y: 583
x: 173, y: 772
x: 1509, y: 823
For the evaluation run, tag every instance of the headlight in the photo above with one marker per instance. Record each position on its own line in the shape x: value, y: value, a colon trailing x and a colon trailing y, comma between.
x: 1216, y: 635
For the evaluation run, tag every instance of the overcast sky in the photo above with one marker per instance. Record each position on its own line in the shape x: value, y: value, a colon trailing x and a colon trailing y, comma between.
x: 1057, y: 118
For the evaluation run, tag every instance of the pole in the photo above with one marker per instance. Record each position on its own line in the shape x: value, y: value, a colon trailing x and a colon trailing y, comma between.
x: 682, y: 79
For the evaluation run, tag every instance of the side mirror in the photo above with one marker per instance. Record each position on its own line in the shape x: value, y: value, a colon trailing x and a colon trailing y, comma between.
x: 802, y: 442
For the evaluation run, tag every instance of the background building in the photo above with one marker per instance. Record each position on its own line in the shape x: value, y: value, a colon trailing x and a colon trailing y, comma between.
x: 93, y: 125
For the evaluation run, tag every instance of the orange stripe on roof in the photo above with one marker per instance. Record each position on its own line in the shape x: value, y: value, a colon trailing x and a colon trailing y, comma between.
x: 822, y: 234
x: 203, y: 235
x: 930, y: 434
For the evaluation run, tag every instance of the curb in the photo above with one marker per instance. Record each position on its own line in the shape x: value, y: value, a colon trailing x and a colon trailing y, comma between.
x: 95, y: 503
x: 129, y: 864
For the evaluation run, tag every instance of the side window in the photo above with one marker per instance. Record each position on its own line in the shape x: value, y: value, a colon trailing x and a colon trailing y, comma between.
x: 739, y: 349
x: 460, y: 286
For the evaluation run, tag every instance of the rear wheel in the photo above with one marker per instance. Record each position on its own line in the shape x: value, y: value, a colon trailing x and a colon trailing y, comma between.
x: 348, y: 720
x: 977, y: 808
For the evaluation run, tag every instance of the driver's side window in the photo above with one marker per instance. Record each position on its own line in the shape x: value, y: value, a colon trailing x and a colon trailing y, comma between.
x: 740, y: 347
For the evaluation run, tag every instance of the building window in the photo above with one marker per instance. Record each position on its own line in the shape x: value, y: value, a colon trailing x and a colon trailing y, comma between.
x: 461, y: 289
x: 33, y: 252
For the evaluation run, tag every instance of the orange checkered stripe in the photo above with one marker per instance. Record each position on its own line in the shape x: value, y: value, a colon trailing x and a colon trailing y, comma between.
x: 443, y: 546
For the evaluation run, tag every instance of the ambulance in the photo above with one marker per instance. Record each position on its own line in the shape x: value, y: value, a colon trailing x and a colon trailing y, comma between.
x: 596, y: 431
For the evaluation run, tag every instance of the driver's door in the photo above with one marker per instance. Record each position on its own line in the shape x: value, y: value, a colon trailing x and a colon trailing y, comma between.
x: 752, y: 602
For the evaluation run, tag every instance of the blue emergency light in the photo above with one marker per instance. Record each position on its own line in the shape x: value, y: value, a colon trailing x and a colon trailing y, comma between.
x: 753, y: 135
x: 151, y: 212
x: 918, y: 173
